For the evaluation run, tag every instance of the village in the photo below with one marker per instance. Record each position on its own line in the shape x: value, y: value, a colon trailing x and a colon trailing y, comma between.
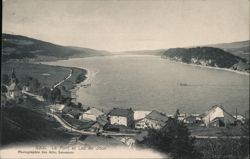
x: 125, y: 123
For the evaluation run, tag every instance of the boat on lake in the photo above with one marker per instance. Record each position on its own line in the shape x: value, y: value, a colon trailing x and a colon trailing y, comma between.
x: 183, y: 84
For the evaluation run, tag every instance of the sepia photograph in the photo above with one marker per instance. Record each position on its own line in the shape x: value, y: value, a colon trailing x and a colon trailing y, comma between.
x: 125, y: 79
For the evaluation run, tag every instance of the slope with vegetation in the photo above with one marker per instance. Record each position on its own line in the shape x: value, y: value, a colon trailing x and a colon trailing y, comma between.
x: 25, y: 48
x: 207, y: 56
x: 241, y: 49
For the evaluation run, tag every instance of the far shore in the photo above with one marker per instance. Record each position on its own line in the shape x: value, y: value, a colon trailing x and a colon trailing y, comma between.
x: 209, y: 67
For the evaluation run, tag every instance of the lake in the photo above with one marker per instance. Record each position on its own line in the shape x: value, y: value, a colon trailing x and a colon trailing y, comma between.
x: 146, y: 82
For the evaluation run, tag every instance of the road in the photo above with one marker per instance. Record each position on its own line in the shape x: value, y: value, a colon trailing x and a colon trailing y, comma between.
x: 70, y: 128
x: 67, y: 126
x: 39, y: 98
x: 219, y: 137
x: 57, y: 84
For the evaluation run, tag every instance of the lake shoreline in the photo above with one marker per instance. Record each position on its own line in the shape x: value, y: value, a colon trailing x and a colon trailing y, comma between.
x: 209, y: 67
x: 114, y: 93
x: 78, y: 86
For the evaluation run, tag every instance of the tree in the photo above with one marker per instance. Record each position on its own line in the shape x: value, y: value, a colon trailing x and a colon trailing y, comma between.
x: 5, y: 79
x: 45, y: 92
x: 34, y: 85
x: 25, y: 80
x: 173, y: 139
x: 4, y: 89
x: 56, y: 95
x: 31, y: 82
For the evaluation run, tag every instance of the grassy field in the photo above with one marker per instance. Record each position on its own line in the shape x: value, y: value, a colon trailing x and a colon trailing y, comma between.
x: 225, y: 148
x: 24, y: 123
x: 216, y: 131
x: 47, y: 75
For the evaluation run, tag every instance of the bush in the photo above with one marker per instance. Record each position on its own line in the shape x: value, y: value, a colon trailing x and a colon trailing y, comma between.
x: 173, y: 139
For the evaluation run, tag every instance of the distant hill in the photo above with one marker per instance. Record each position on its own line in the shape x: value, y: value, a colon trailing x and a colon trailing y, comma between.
x: 233, y: 45
x: 21, y: 47
x: 89, y: 52
x: 207, y: 56
x: 241, y: 49
x: 144, y: 52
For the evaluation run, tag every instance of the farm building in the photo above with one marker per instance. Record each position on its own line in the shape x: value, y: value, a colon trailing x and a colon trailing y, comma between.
x: 57, y: 108
x: 74, y: 113
x: 118, y: 116
x: 140, y: 114
x: 216, y: 116
x: 91, y: 114
x: 192, y: 119
x: 154, y: 120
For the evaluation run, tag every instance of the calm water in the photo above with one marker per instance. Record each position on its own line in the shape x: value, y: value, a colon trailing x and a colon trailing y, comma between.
x: 149, y: 82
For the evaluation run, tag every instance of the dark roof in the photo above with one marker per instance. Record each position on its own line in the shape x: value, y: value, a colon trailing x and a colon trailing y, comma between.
x: 66, y: 109
x: 74, y: 112
x: 155, y: 115
x: 86, y: 124
x: 190, y: 117
x: 102, y: 120
x: 120, y: 112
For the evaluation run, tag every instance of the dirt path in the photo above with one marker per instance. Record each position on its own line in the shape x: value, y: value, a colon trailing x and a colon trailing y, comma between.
x: 57, y: 84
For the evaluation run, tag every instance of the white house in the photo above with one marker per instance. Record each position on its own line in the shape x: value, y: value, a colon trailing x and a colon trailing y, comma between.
x: 119, y: 116
x: 240, y: 118
x: 217, y: 116
x: 57, y: 108
x: 91, y: 114
x: 155, y: 120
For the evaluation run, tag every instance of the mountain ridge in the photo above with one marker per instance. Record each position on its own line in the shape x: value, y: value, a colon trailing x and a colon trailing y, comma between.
x: 21, y: 47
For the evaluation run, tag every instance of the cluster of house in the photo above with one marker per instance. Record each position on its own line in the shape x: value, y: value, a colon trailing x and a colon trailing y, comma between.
x: 123, y: 119
x: 13, y: 90
x: 119, y: 119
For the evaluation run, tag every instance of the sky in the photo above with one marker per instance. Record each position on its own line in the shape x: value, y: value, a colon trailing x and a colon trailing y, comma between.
x: 119, y: 25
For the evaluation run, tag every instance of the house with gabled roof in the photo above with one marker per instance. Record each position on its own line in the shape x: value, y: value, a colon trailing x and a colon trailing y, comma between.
x: 119, y: 116
x: 217, y: 116
x: 100, y: 123
x: 57, y: 108
x: 140, y: 114
x: 192, y: 119
x: 74, y: 113
x: 240, y: 118
x: 155, y: 120
x: 92, y: 114
x: 71, y: 112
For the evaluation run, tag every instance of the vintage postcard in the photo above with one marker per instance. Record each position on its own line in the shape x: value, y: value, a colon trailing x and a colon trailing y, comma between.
x: 125, y: 79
